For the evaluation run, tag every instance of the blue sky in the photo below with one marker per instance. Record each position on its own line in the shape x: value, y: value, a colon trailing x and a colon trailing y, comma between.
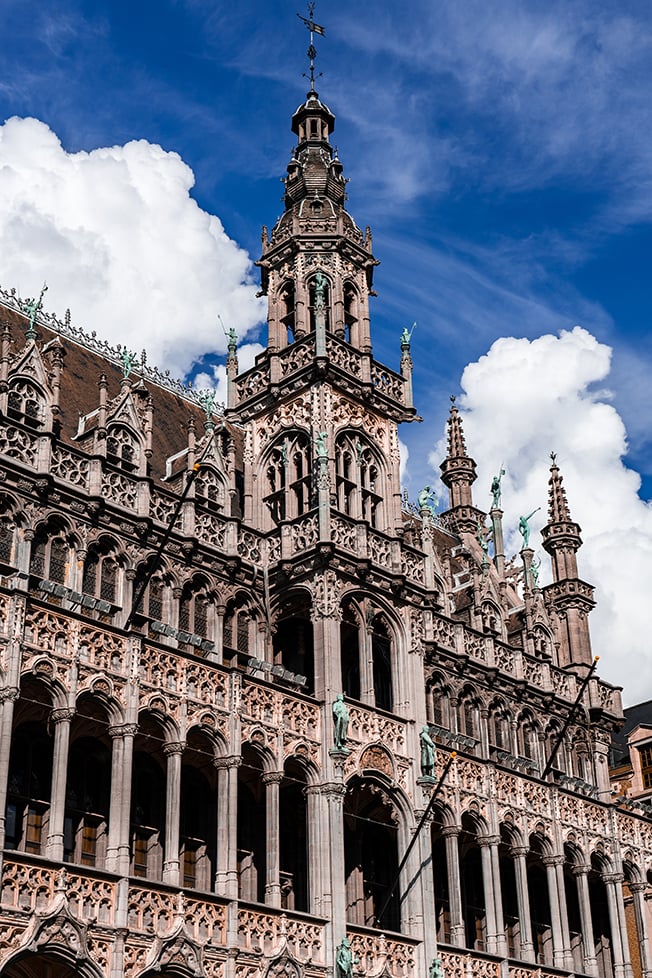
x: 501, y: 152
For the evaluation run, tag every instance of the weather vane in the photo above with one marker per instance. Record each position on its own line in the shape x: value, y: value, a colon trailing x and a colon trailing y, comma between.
x: 312, y: 51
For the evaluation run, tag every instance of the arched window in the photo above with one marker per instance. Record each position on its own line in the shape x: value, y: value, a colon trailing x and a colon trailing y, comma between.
x: 351, y: 313
x: 438, y: 703
x: 293, y: 838
x: 198, y: 821
x: 499, y: 736
x: 491, y: 620
x: 50, y: 554
x: 381, y: 650
x: 238, y: 624
x: 29, y: 785
x: 528, y: 738
x: 251, y: 827
x: 26, y: 403
x: 474, y: 908
x: 293, y: 641
x: 122, y: 448
x: 210, y: 490
x: 88, y: 788
x: 370, y: 856
x: 148, y: 788
x: 467, y: 716
x: 153, y: 603
x: 350, y: 652
x: 194, y: 605
x: 100, y: 579
x: 287, y: 309
x: 358, y: 479
x: 287, y: 477
x: 7, y: 532
x: 542, y: 640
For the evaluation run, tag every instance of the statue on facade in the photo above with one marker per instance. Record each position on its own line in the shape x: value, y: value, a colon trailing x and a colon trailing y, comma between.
x: 340, y: 722
x: 406, y: 335
x: 320, y: 290
x: 427, y: 499
x: 482, y: 539
x: 427, y: 752
x: 436, y: 969
x: 496, y: 491
x: 320, y: 442
x: 534, y: 572
x: 32, y: 307
x: 128, y: 361
x: 232, y: 340
x: 524, y: 527
x: 207, y: 400
x: 345, y: 959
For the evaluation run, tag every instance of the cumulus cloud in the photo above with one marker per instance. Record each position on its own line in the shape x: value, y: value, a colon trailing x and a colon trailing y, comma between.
x: 120, y: 241
x: 526, y: 398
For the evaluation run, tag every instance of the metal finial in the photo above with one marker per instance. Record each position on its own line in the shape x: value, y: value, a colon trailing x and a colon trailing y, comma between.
x: 452, y: 397
x: 312, y: 51
x: 553, y: 456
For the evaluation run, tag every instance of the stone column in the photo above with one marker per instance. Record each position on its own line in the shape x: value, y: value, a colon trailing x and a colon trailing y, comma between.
x: 316, y: 848
x: 519, y: 854
x: 451, y: 835
x: 226, y: 870
x: 272, y: 780
x: 7, y: 698
x: 563, y: 913
x: 220, y: 611
x: 638, y: 895
x: 550, y: 862
x: 581, y: 874
x: 501, y: 942
x: 61, y: 720
x: 619, y: 879
x: 335, y: 881
x: 613, y: 883
x: 171, y: 860
x: 122, y: 754
x: 488, y: 882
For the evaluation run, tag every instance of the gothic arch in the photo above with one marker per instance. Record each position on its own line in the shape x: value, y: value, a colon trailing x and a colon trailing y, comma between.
x: 360, y: 477
x: 55, y: 963
x: 28, y: 402
x: 285, y: 477
x: 293, y: 638
x: 124, y: 446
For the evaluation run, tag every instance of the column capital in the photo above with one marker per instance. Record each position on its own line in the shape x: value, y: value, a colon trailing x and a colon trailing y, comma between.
x: 233, y: 760
x: 638, y: 887
x: 518, y: 852
x: 9, y: 693
x: 175, y: 747
x: 272, y: 777
x: 333, y: 789
x: 613, y: 878
x: 557, y: 860
x: 123, y: 730
x: 488, y: 840
x: 450, y: 830
x: 59, y: 716
x: 581, y: 870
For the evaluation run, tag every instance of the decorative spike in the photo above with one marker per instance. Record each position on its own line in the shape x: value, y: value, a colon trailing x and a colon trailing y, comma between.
x: 456, y: 443
x: 558, y: 511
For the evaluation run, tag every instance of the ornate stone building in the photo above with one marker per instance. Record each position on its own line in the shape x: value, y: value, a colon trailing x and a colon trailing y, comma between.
x: 184, y: 592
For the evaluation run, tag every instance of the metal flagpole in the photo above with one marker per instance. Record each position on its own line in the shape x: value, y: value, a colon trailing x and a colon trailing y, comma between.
x: 569, y: 718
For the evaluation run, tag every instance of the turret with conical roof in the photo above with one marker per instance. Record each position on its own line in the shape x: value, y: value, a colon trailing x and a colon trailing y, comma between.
x: 570, y: 597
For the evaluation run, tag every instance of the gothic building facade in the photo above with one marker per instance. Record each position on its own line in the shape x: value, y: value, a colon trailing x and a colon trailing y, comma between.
x: 185, y: 593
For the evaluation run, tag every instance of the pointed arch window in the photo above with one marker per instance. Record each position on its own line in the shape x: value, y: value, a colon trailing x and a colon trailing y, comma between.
x: 100, y: 577
x: 7, y: 533
x: 499, y: 729
x: 26, y: 403
x: 358, y: 479
x: 381, y: 650
x: 351, y: 313
x: 193, y: 611
x: 122, y: 449
x: 210, y: 490
x: 467, y: 716
x: 287, y: 309
x: 350, y: 652
x: 50, y: 555
x: 287, y: 477
x: 238, y: 623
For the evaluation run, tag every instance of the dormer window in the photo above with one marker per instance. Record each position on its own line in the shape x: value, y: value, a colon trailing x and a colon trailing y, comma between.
x: 25, y: 404
x: 122, y: 449
x: 646, y: 765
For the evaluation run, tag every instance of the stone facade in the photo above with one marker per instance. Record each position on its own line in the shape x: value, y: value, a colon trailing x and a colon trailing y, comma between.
x: 183, y: 595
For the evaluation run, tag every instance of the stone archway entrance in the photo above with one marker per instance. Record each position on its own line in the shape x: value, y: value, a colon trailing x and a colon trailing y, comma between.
x: 39, y: 966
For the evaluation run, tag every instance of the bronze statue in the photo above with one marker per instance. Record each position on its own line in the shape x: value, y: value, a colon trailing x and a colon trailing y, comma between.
x: 320, y: 289
x: 524, y: 527
x: 320, y: 442
x: 496, y: 490
x: 427, y: 752
x: 436, y: 969
x: 345, y: 959
x: 340, y: 721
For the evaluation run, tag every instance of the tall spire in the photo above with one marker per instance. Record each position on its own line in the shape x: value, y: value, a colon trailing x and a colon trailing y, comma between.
x: 458, y: 473
x: 571, y: 597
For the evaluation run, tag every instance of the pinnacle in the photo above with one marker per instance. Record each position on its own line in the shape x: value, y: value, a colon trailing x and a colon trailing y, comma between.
x: 456, y: 443
x: 558, y: 511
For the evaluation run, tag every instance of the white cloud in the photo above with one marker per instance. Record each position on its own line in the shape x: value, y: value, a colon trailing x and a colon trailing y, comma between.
x: 120, y: 241
x: 521, y: 401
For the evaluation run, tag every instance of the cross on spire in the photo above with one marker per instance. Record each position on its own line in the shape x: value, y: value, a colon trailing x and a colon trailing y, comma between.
x: 312, y: 51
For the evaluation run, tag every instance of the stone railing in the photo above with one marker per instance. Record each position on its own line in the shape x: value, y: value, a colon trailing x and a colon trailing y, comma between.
x: 382, y: 955
x: 266, y: 932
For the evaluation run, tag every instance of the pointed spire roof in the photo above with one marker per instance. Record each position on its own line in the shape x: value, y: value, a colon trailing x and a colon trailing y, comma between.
x: 456, y: 443
x: 558, y: 511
